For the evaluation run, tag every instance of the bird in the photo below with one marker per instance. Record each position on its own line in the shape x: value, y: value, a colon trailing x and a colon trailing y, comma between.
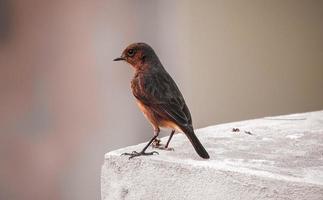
x: 159, y: 98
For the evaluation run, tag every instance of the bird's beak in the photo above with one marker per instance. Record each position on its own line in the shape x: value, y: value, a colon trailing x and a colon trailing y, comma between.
x: 118, y: 59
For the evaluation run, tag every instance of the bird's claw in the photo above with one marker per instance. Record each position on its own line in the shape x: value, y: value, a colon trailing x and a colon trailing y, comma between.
x: 156, y: 142
x: 158, y: 145
x: 142, y: 153
x: 168, y: 148
x: 163, y: 147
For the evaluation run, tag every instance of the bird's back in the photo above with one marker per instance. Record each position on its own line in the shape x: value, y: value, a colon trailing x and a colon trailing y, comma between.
x: 159, y: 91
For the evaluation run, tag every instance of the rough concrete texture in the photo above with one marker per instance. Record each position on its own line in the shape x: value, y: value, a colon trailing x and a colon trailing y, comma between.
x: 269, y: 158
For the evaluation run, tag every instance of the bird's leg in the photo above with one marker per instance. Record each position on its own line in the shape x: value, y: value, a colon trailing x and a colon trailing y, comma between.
x: 169, y: 139
x: 157, y: 144
x: 143, y: 151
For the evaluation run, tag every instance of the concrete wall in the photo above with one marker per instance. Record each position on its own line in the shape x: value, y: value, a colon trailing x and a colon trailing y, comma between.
x: 279, y: 159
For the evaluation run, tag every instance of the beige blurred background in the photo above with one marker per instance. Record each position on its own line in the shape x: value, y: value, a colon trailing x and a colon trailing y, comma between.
x: 64, y: 103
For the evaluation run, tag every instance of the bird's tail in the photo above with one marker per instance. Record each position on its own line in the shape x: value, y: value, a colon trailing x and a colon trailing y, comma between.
x: 189, y: 132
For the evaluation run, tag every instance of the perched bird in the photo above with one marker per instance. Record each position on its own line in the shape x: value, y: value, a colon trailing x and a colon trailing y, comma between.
x: 158, y: 97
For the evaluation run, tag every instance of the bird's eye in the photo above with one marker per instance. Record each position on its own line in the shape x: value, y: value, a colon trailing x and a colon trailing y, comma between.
x: 131, y: 52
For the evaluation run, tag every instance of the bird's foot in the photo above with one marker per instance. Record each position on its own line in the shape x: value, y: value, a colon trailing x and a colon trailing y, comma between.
x: 158, y: 145
x: 142, y: 153
x: 163, y: 147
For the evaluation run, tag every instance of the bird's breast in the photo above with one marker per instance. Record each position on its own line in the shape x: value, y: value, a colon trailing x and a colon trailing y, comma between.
x: 155, y: 120
x: 148, y: 113
x: 143, y: 108
x: 169, y: 124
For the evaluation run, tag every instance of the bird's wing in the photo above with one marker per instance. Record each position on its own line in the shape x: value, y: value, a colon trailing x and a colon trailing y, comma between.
x: 161, y: 94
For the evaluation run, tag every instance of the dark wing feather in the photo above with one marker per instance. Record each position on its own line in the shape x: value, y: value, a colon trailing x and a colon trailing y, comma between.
x: 159, y: 91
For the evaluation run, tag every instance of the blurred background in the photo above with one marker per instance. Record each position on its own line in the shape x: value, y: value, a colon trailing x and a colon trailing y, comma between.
x: 64, y: 103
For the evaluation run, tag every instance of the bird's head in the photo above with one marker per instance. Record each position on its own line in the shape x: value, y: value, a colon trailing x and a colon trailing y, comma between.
x: 138, y: 54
